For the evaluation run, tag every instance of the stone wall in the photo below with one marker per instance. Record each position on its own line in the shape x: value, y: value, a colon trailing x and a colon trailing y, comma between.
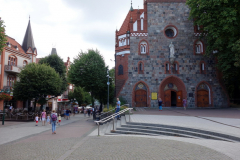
x: 161, y: 15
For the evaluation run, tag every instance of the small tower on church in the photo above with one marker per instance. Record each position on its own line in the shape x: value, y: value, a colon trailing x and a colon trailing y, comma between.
x: 28, y: 43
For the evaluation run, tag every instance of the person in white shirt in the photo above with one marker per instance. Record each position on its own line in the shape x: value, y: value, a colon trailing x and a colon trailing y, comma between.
x: 10, y: 108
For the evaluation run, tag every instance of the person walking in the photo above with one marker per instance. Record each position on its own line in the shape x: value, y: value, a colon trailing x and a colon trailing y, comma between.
x: 67, y: 113
x: 59, y: 119
x: 118, y: 108
x: 53, y: 121
x: 43, y: 115
x: 160, y: 104
x: 184, y: 103
x: 88, y: 111
x: 10, y: 108
x: 48, y: 119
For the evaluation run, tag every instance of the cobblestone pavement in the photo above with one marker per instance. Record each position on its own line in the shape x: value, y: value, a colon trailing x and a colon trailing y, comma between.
x: 72, y: 142
x: 115, y: 147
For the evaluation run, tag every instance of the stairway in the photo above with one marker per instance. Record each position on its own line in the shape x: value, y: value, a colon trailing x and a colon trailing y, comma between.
x: 133, y: 128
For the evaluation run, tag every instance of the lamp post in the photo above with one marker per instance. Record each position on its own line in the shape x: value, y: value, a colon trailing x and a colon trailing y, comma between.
x: 108, y: 83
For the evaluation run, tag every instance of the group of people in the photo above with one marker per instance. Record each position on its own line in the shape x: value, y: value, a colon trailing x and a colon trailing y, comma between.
x: 160, y: 103
x: 52, y: 118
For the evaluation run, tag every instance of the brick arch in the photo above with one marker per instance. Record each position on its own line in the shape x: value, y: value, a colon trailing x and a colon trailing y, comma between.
x: 139, y: 47
x: 175, y: 80
x: 211, y: 92
x: 148, y: 94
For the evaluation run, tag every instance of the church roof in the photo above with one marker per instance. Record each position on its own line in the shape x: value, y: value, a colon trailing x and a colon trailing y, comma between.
x: 14, y: 45
x: 28, y: 39
x: 54, y: 51
x: 133, y: 14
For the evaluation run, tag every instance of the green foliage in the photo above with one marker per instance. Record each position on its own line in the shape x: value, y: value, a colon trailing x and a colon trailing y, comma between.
x: 57, y: 63
x: 71, y: 95
x: 89, y: 72
x: 88, y: 98
x: 221, y: 20
x: 42, y: 101
x: 3, y: 38
x: 79, y: 95
x: 36, y: 81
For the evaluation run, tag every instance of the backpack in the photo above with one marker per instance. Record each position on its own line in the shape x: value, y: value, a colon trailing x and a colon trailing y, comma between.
x: 54, y: 117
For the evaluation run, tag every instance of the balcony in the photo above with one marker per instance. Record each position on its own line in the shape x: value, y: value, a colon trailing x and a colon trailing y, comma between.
x: 12, y: 69
x: 6, y: 88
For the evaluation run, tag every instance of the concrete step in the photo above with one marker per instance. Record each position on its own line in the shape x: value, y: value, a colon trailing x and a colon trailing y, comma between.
x: 178, y: 128
x: 174, y: 132
x: 153, y: 134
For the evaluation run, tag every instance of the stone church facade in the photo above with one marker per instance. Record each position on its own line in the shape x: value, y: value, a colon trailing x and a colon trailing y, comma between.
x: 159, y: 55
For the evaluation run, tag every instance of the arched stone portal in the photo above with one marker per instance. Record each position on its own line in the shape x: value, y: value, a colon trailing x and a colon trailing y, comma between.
x: 203, y: 95
x: 172, y: 91
x: 140, y: 95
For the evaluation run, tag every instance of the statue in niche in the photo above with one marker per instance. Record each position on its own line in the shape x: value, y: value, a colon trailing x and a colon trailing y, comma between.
x: 172, y: 54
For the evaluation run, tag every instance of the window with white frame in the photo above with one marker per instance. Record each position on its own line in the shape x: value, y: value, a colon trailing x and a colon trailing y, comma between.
x: 143, y: 47
x: 198, y: 47
x: 12, y: 61
x: 24, y: 63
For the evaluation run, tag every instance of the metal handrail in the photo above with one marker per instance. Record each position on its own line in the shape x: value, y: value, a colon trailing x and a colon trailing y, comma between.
x: 112, y: 117
x: 109, y: 111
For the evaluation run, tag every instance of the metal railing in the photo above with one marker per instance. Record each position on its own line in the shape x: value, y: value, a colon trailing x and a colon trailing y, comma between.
x: 112, y: 117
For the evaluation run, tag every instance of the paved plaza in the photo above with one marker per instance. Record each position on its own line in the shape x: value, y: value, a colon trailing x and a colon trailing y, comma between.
x: 23, y: 140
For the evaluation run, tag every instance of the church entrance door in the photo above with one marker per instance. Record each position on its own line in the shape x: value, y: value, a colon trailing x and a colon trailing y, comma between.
x: 172, y: 98
x: 202, y: 98
x: 141, y: 98
x: 179, y: 99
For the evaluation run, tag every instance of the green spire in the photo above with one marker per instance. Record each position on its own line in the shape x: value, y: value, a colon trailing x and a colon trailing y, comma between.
x: 131, y: 9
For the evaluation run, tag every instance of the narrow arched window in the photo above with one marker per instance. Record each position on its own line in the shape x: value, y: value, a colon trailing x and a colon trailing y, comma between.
x: 198, y: 47
x: 143, y: 47
x: 202, y: 68
x: 140, y: 68
x: 120, y: 70
x: 24, y: 63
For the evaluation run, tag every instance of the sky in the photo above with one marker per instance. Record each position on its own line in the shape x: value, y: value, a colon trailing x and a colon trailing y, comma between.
x: 67, y: 25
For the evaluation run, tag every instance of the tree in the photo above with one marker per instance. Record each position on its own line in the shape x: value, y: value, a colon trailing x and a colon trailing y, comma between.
x: 3, y: 36
x: 221, y: 21
x: 89, y: 72
x: 79, y: 95
x: 36, y: 81
x: 57, y: 63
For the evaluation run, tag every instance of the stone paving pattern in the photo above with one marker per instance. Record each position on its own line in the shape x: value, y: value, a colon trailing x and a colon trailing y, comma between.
x: 112, y: 148
x: 72, y: 141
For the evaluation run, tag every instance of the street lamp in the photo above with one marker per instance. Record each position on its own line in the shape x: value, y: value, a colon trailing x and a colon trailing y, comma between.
x: 108, y: 83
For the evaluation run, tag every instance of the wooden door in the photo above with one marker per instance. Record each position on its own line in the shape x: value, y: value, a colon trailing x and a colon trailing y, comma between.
x: 141, y: 98
x: 179, y: 99
x: 167, y: 98
x: 202, y: 98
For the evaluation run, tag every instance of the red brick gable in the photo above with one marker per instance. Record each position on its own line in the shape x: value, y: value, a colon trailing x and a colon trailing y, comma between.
x: 126, y: 23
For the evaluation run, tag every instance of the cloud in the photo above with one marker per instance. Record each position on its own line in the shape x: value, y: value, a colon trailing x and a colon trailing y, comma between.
x: 70, y: 25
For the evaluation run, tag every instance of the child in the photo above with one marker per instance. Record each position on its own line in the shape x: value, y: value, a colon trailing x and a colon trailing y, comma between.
x: 59, y: 119
x: 48, y: 119
x: 36, y: 119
